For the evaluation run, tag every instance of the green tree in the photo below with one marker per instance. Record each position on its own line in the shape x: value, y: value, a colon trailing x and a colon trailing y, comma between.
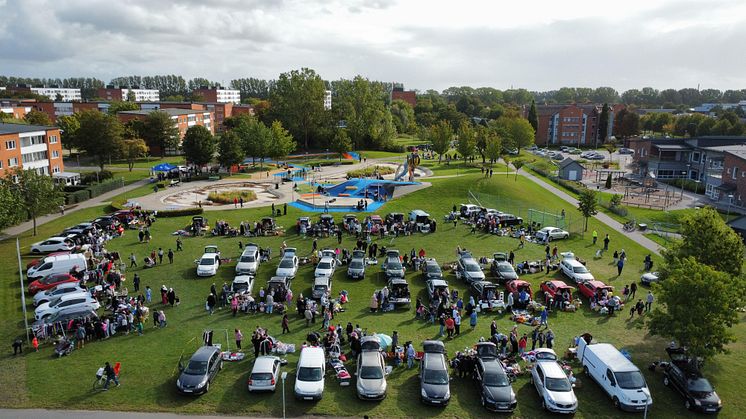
x: 603, y: 123
x: 229, y: 150
x: 402, y: 114
x: 119, y: 106
x: 100, y: 135
x: 198, y: 145
x: 38, y: 194
x: 482, y: 133
x: 706, y: 237
x: 467, y: 140
x: 10, y: 204
x: 703, y: 326
x: 282, y: 142
x: 587, y: 205
x: 160, y: 131
x: 517, y: 131
x: 131, y: 96
x: 133, y: 149
x: 493, y: 147
x: 340, y: 143
x: 607, y: 185
x: 533, y: 117
x: 37, y: 118
x: 626, y: 123
x: 611, y: 148
x: 69, y: 125
x: 441, y: 135
x: 361, y: 104
x: 517, y: 164
x: 298, y: 101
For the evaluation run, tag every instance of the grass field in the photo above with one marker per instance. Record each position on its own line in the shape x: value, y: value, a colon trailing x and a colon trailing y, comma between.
x: 149, y: 361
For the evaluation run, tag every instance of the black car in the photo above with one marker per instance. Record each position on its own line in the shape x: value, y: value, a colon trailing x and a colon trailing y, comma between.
x: 509, y: 220
x: 202, y: 368
x: 106, y: 221
x: 496, y: 392
x: 683, y: 375
x: 431, y: 270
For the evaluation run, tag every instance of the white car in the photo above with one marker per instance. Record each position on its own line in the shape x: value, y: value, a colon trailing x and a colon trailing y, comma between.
x: 57, y: 291
x: 325, y: 267
x: 552, y: 384
x: 52, y: 244
x: 249, y: 261
x: 208, y: 264
x: 554, y: 233
x: 288, y: 267
x: 576, y: 271
x: 371, y: 370
x: 66, y: 301
x: 309, y: 376
x: 242, y: 284
x: 265, y: 374
x: 649, y: 277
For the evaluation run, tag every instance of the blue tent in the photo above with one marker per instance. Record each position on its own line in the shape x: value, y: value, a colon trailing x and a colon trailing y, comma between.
x: 164, y: 167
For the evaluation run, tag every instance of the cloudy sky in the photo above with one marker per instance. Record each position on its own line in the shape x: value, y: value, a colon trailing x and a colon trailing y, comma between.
x: 538, y: 45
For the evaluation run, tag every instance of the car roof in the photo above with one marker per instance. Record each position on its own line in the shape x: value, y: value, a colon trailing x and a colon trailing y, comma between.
x: 439, y: 282
x: 264, y: 363
x: 326, y: 259
x: 204, y: 353
x: 242, y: 278
x: 552, y: 369
x: 370, y: 357
x: 311, y: 356
x: 559, y: 284
x: 572, y: 262
x: 598, y: 284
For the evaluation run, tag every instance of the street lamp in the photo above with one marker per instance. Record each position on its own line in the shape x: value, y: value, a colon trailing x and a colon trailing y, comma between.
x: 283, y: 376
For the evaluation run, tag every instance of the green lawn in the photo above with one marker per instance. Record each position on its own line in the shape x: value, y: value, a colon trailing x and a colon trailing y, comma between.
x: 149, y: 362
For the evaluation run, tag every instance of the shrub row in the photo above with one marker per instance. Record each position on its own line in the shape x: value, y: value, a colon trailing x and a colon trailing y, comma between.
x: 369, y: 171
x: 80, y: 193
x: 88, y: 178
x: 120, y: 205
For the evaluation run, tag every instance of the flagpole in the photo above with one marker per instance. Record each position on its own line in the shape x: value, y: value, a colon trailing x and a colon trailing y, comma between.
x: 23, y: 292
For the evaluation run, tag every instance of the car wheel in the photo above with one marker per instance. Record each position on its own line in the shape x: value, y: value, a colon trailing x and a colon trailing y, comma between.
x: 586, y: 371
x: 666, y: 381
x: 688, y: 405
x: 221, y: 366
x: 616, y: 403
x: 543, y: 405
x: 567, y: 236
x: 35, y: 251
x: 207, y: 387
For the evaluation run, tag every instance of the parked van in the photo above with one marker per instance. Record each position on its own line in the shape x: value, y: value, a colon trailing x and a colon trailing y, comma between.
x: 616, y: 374
x: 309, y: 377
x: 61, y: 264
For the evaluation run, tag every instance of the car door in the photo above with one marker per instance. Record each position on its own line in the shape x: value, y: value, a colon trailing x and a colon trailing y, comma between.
x: 539, y: 379
x: 609, y: 378
x: 213, y: 366
x: 276, y: 369
x: 678, y: 380
x: 479, y: 374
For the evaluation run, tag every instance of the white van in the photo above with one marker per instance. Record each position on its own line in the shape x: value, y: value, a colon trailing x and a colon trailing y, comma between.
x: 61, y: 264
x: 309, y: 377
x: 616, y: 374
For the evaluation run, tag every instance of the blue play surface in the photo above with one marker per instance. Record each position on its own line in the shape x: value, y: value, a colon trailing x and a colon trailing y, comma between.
x: 356, y: 188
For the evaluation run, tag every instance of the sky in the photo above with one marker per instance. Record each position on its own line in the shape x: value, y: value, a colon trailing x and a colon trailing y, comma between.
x: 425, y: 44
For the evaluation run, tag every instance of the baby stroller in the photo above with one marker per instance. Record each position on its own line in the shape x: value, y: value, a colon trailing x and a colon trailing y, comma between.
x: 149, y: 262
x: 63, y: 347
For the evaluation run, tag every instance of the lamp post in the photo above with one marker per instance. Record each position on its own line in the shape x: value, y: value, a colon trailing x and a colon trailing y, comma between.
x: 284, y: 376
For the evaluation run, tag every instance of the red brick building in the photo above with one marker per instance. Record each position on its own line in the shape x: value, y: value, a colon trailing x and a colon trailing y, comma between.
x: 182, y: 118
x: 407, y: 96
x: 218, y: 94
x: 571, y: 124
x: 30, y: 147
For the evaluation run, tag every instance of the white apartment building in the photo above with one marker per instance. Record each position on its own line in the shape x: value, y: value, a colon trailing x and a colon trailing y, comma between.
x: 68, y: 94
x: 327, y: 99
x: 142, y: 95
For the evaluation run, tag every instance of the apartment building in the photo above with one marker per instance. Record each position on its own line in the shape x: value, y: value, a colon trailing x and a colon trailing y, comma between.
x: 327, y: 100
x: 16, y: 111
x: 111, y: 93
x: 398, y: 92
x: 56, y: 109
x: 571, y: 124
x: 182, y: 119
x: 66, y: 94
x: 218, y: 94
x: 30, y: 147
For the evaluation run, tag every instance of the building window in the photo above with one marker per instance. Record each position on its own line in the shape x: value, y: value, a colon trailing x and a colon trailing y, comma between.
x: 1, y: 164
x: 695, y: 156
x: 52, y: 139
x: 10, y: 145
x: 13, y: 162
x: 734, y: 174
x: 55, y: 154
x: 56, y: 169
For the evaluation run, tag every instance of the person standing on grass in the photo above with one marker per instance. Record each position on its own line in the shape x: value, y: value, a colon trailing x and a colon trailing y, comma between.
x: 606, y: 242
x: 450, y: 326
x: 457, y: 323
x: 549, y: 338
x: 111, y: 375
x: 160, y: 256
x: 595, y: 236
x: 136, y: 282
x: 285, y: 324
x: 240, y: 201
x: 239, y: 338
x: 649, y: 301
x: 522, y: 344
x: 211, y: 300
x: 234, y: 305
x: 544, y: 318
x: 632, y: 290
x: 534, y: 337
x: 410, y: 356
x: 473, y: 319
x: 170, y: 256
x: 141, y: 234
x: 133, y: 260
x: 620, y: 266
x: 179, y: 244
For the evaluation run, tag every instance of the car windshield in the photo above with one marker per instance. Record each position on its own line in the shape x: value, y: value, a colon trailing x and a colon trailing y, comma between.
x: 496, y: 379
x: 700, y: 385
x: 207, y: 261
x: 319, y: 287
x: 432, y: 376
x: 247, y: 259
x: 324, y: 265
x: 630, y: 379
x: 394, y: 264
x: 558, y: 384
x: 505, y: 268
x: 472, y: 267
x: 356, y: 264
x: 261, y: 376
x: 309, y: 374
x: 371, y: 373
x: 196, y: 368
x: 580, y: 270
x: 433, y: 269
x: 286, y: 263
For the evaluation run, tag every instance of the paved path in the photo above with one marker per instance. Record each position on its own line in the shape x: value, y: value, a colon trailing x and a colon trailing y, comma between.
x: 94, y: 414
x: 106, y: 197
x: 637, y: 236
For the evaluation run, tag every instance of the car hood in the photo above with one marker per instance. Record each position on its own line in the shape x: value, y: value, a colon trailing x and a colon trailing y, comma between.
x: 377, y: 385
x: 284, y: 271
x: 309, y: 387
x: 500, y: 394
x: 508, y: 275
x: 206, y: 268
x: 436, y: 390
x: 322, y: 272
x: 42, y: 307
x: 562, y: 397
x: 246, y: 265
x: 707, y: 398
x: 474, y: 275
x: 189, y: 380
x: 584, y: 277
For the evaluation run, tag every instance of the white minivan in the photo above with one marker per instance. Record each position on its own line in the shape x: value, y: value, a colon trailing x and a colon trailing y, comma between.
x: 616, y: 374
x: 61, y: 264
x: 309, y: 377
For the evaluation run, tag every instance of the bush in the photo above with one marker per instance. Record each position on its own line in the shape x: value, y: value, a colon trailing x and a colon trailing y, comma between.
x: 393, y: 148
x: 76, y: 197
x: 227, y: 197
x: 89, y: 178
x: 370, y: 171
x: 102, y: 188
x: 120, y: 205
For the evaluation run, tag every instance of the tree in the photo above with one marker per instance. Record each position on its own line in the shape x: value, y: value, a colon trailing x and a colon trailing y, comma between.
x: 100, y: 135
x: 706, y: 237
x: 37, y: 118
x: 607, y: 185
x: 298, y: 101
x: 493, y: 146
x: 587, y: 205
x: 69, y: 125
x: 131, y: 96
x: 198, y: 145
x: 518, y: 132
x: 10, y: 204
x: 402, y: 114
x: 340, y: 143
x: 133, y: 149
x: 282, y: 142
x: 441, y: 135
x: 467, y: 140
x: 119, y: 106
x: 626, y: 123
x: 603, y: 123
x: 160, y: 131
x: 361, y: 103
x: 38, y: 194
x: 517, y: 164
x: 703, y: 327
x: 229, y: 150
x: 533, y: 117
x: 611, y: 148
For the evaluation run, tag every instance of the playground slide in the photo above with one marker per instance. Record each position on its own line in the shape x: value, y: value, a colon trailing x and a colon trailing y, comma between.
x: 403, y: 167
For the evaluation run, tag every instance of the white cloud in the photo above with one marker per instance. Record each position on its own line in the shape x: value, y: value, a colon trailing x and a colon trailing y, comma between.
x: 425, y: 44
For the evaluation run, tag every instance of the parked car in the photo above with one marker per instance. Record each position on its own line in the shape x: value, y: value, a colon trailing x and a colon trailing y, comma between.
x: 288, y: 266
x: 552, y: 384
x: 625, y: 150
x: 555, y: 287
x: 309, y: 376
x: 38, y: 261
x: 50, y: 281
x: 200, y: 371
x: 468, y: 268
x: 399, y: 291
x: 509, y: 219
x: 321, y: 286
x: 649, y: 277
x: 325, y: 267
x: 503, y: 271
x: 466, y: 210
x: 485, y: 291
x: 82, y: 298
x: 280, y: 285
x: 575, y: 151
x: 57, y: 265
x: 591, y: 288
x: 438, y: 286
x: 106, y: 221
x: 52, y: 244
x: 242, y: 284
x: 683, y: 375
x: 356, y: 268
x: 421, y: 220
x: 392, y: 266
x: 434, y: 381
x: 208, y: 264
x: 57, y: 291
x: 575, y: 270
x: 249, y: 260
x: 496, y: 392
x: 371, y: 370
x: 431, y: 270
x: 66, y: 314
x: 264, y: 374
x: 557, y: 156
x: 554, y: 233
x: 596, y: 156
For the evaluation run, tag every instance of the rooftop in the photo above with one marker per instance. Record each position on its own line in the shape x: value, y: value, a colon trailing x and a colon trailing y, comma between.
x: 21, y: 128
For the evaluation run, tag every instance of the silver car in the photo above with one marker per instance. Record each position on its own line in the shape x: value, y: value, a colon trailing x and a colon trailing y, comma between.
x: 249, y: 261
x: 288, y: 267
x: 434, y: 380
x: 265, y: 374
x: 468, y: 268
x: 552, y: 384
x: 371, y: 370
x: 356, y: 268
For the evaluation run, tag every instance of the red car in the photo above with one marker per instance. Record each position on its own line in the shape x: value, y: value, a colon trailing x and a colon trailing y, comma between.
x: 555, y: 287
x: 124, y: 216
x: 591, y: 288
x: 518, y: 285
x: 50, y: 281
x: 36, y: 262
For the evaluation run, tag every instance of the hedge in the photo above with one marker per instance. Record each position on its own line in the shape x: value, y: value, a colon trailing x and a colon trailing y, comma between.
x: 88, y: 178
x: 121, y: 205
x: 76, y: 197
x: 102, y: 188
